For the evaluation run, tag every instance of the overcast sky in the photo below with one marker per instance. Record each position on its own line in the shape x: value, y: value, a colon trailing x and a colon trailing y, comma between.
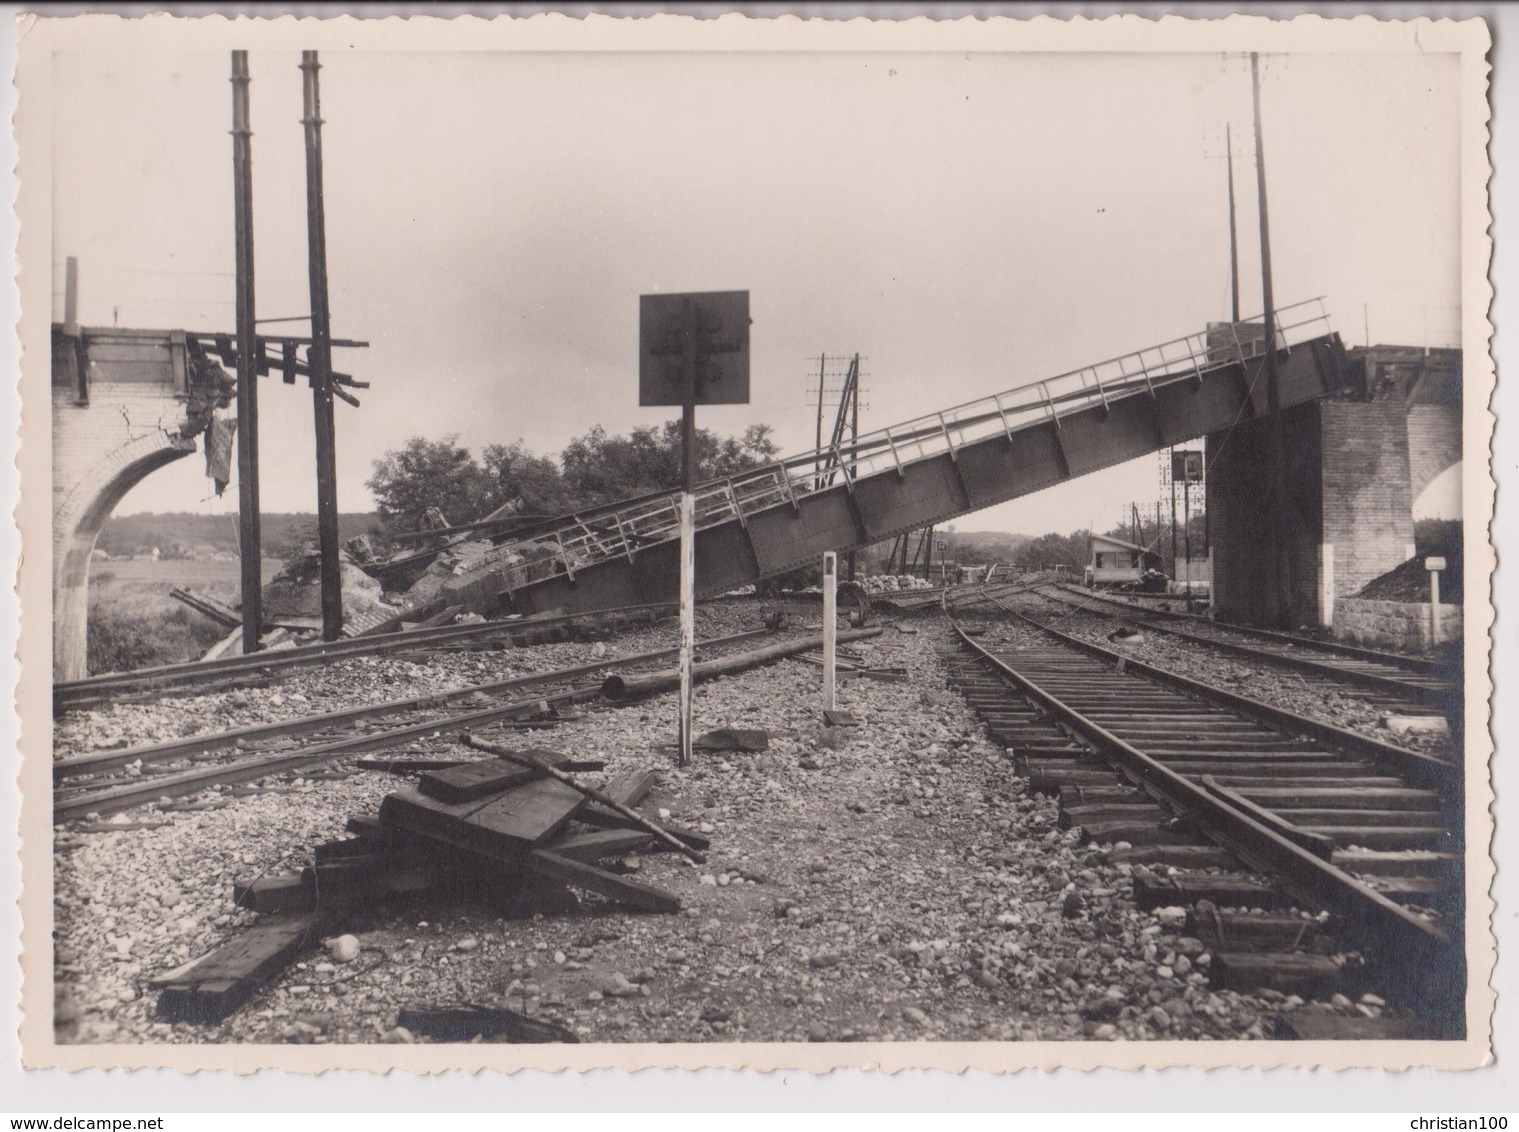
x: 966, y: 222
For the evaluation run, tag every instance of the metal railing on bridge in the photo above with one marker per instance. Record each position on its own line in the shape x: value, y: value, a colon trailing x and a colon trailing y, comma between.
x: 621, y: 533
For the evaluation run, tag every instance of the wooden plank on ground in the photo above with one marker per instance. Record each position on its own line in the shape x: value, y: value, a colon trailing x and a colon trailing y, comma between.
x: 630, y: 787
x: 621, y: 889
x: 464, y: 782
x: 232, y: 974
x: 274, y: 894
x: 589, y: 847
x: 503, y: 828
x: 603, y: 818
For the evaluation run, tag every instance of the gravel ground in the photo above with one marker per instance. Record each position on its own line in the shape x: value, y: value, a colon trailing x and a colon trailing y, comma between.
x: 1344, y: 705
x: 890, y: 882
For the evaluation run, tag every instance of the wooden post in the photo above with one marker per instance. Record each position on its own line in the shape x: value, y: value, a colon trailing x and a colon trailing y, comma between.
x: 321, y: 357
x: 250, y: 535
x: 688, y: 529
x: 830, y: 627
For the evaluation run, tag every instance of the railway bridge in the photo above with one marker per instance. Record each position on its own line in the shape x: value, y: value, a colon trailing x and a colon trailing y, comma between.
x: 926, y: 471
x: 125, y: 403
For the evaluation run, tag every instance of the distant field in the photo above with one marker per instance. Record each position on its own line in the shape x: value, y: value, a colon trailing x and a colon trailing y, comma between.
x: 134, y: 623
x: 141, y: 585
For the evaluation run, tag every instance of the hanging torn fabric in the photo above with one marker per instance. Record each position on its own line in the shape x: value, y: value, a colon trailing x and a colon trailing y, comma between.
x: 219, y: 436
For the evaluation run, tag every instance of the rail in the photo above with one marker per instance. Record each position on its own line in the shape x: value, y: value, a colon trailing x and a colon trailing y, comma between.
x: 620, y: 533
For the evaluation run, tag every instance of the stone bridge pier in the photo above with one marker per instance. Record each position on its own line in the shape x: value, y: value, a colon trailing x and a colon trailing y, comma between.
x: 125, y: 403
x: 1356, y: 463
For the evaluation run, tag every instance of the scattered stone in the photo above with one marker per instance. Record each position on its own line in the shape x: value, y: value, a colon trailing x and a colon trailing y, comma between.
x: 344, y: 949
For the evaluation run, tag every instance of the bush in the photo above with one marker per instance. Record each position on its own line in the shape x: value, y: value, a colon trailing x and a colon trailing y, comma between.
x: 120, y: 642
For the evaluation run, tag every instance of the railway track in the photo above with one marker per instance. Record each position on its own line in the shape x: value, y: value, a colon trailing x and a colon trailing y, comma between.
x: 109, y: 782
x: 1412, y: 676
x: 1383, y: 684
x: 1252, y: 819
x: 149, y: 683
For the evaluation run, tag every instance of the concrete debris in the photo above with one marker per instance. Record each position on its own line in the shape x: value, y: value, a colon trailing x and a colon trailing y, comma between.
x: 296, y: 592
x: 892, y: 583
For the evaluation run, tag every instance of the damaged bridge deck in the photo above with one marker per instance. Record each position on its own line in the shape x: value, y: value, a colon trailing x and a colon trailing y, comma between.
x: 783, y: 516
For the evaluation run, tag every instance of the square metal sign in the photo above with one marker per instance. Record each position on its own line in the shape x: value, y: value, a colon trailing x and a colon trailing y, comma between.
x: 708, y: 328
x: 1187, y: 467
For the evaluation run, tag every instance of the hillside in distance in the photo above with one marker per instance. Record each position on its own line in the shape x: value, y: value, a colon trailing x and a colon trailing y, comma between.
x: 282, y: 531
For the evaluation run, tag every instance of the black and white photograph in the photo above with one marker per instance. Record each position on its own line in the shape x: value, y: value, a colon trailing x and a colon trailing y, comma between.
x: 769, y: 543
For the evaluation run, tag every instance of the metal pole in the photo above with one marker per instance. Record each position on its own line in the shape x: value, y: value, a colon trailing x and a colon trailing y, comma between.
x: 817, y: 457
x: 1286, y: 556
x: 249, y: 534
x: 1233, y: 231
x: 830, y: 626
x: 854, y: 429
x: 71, y: 296
x: 320, y: 355
x: 1186, y: 509
x: 687, y: 529
x: 1173, y: 516
x: 1207, y: 534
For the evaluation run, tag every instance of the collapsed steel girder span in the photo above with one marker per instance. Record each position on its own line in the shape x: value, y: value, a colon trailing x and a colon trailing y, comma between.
x: 776, y: 519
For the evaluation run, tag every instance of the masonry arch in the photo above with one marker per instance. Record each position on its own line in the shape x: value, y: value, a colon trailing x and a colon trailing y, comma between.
x: 77, y: 520
x: 1434, y: 444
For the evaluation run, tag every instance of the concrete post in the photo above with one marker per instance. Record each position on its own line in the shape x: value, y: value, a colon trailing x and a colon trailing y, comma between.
x: 830, y: 626
x: 1434, y: 566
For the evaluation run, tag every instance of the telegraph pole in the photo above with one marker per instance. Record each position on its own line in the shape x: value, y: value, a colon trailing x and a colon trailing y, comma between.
x: 1286, y: 558
x: 250, y: 537
x: 321, y: 357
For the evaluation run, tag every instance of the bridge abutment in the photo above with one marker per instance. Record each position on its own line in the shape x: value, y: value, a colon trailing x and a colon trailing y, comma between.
x: 1355, y: 465
x: 124, y: 404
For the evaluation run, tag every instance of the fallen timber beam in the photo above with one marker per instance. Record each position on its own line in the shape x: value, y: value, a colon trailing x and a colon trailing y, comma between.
x: 617, y: 687
x: 97, y: 761
x: 591, y: 793
x: 223, y: 615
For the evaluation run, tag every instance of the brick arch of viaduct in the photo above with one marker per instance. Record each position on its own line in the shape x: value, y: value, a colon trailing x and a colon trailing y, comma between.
x: 125, y: 403
x: 77, y: 520
x: 1434, y: 444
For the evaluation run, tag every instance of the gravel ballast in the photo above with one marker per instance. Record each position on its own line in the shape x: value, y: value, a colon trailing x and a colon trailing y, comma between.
x: 888, y: 882
x: 1318, y: 697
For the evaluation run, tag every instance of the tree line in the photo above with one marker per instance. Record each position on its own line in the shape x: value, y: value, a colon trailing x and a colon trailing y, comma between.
x: 591, y: 470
